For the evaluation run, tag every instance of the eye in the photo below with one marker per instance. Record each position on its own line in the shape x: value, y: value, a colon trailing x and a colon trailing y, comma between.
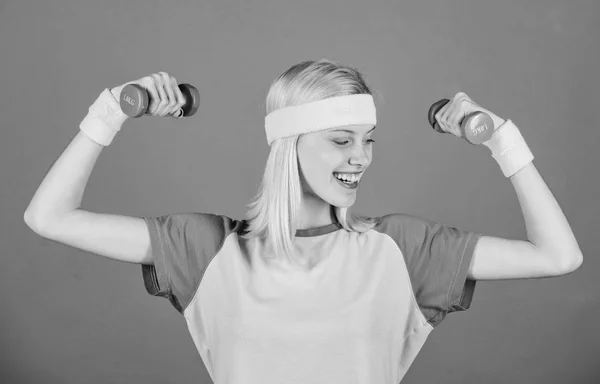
x: 346, y: 141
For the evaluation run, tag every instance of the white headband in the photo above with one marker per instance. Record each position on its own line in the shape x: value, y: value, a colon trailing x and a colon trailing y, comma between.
x: 320, y: 115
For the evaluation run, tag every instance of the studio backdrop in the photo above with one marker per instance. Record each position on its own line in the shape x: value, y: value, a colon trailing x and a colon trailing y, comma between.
x: 70, y: 316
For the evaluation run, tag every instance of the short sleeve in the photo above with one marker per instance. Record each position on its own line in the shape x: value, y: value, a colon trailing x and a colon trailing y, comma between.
x: 437, y: 258
x: 183, y: 245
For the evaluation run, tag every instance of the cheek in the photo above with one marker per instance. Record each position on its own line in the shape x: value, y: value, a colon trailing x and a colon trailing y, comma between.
x: 318, y: 162
x: 323, y: 163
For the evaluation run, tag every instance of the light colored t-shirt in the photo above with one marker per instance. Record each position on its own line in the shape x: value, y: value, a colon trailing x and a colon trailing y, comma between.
x: 360, y: 315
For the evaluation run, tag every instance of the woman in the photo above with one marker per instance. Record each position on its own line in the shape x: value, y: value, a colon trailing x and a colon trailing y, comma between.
x: 302, y: 291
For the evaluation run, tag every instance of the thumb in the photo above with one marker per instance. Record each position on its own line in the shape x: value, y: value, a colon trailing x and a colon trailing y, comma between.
x: 178, y: 114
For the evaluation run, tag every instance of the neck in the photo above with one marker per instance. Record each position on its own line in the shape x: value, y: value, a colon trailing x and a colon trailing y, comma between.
x: 313, y: 215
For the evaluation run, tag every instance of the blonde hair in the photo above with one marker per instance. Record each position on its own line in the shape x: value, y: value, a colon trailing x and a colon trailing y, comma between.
x: 273, y: 213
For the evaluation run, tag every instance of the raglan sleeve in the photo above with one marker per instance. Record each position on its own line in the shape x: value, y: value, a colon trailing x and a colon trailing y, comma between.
x: 182, y: 246
x: 437, y: 257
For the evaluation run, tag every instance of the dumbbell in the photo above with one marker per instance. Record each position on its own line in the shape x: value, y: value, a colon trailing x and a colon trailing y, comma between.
x: 476, y: 128
x: 135, y: 100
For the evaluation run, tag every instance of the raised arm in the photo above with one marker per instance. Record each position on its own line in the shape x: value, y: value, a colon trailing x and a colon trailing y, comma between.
x: 551, y: 249
x: 54, y: 211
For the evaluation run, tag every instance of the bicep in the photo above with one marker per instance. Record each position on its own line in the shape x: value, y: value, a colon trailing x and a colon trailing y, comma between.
x: 495, y: 258
x: 118, y: 237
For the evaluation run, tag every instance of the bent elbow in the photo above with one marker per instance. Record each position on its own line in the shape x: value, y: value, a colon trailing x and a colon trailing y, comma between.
x: 570, y: 264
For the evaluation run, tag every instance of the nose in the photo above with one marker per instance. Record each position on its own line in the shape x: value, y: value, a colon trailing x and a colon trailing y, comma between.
x: 360, y: 156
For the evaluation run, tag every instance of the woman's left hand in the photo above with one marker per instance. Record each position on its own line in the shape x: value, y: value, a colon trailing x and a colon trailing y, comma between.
x: 450, y: 115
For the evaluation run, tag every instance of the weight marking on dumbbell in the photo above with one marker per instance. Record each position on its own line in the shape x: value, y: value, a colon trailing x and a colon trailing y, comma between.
x: 480, y: 129
x: 128, y: 100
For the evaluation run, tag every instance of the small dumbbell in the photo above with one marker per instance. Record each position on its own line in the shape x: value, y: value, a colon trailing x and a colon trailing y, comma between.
x: 476, y: 128
x: 135, y: 100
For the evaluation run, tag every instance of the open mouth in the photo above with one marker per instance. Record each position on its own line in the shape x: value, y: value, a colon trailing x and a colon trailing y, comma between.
x: 348, y: 180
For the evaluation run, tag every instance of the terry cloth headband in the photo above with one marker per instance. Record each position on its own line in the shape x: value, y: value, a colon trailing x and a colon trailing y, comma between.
x: 320, y: 115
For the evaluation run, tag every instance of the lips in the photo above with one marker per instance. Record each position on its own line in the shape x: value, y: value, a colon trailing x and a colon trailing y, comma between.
x: 346, y: 185
x: 355, y: 176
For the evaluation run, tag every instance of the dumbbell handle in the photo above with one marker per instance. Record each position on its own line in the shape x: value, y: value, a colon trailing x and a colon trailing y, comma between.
x: 476, y: 128
x: 134, y: 100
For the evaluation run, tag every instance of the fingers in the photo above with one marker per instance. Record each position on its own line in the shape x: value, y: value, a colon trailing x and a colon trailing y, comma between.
x: 149, y: 85
x: 165, y: 97
x: 451, y: 115
x: 170, y: 87
x: 163, y: 101
x: 455, y: 115
x: 178, y: 114
x: 176, y: 111
x: 442, y: 114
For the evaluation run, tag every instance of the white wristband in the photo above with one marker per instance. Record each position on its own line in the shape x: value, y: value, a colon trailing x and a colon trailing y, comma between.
x: 509, y: 148
x: 104, y: 119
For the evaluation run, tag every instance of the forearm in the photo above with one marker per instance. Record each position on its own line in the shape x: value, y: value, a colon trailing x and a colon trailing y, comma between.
x: 61, y: 190
x: 547, y: 226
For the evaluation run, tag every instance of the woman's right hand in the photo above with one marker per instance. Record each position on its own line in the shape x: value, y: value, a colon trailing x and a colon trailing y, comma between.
x: 165, y: 97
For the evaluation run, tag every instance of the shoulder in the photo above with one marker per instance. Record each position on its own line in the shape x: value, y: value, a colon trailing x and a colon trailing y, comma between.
x: 397, y: 223
x: 197, y: 223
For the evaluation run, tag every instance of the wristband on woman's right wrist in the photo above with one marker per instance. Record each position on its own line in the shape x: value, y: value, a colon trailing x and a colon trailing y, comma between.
x: 104, y: 119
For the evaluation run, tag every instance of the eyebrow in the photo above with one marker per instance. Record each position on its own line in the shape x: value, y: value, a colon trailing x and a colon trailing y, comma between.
x: 349, y: 131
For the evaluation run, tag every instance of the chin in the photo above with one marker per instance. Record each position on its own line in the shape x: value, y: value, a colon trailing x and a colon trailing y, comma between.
x: 344, y: 203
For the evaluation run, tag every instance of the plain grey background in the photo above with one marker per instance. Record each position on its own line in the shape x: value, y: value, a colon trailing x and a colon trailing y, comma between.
x: 73, y: 317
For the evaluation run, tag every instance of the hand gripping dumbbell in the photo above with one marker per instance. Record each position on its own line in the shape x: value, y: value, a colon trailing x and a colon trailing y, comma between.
x: 476, y: 128
x: 135, y: 100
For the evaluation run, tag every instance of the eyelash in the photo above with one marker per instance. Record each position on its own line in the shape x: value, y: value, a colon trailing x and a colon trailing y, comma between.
x: 343, y: 142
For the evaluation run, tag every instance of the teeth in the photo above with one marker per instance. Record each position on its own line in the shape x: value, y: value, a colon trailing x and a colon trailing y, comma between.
x: 348, y: 177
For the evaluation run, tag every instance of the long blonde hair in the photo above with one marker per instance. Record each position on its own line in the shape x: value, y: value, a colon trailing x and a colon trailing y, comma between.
x: 273, y: 213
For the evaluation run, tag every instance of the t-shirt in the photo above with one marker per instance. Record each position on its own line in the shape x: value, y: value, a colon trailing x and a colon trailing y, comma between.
x: 359, y: 315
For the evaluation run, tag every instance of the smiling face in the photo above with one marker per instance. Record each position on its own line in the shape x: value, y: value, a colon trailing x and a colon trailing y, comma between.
x: 323, y: 153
